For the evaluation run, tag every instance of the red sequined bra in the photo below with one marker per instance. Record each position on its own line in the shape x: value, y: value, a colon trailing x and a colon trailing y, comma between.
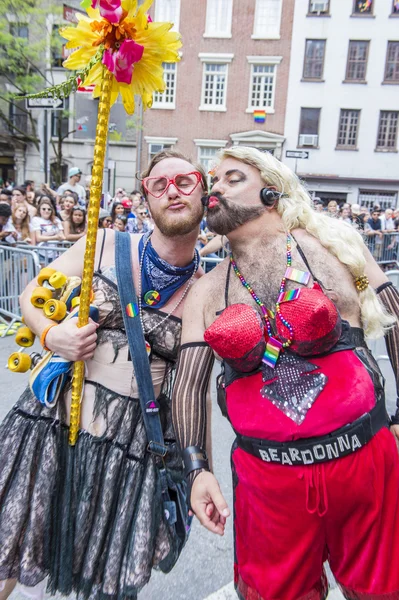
x: 238, y: 334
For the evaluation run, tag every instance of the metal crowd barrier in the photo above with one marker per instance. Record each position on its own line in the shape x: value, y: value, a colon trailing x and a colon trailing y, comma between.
x: 385, y: 248
x: 17, y: 267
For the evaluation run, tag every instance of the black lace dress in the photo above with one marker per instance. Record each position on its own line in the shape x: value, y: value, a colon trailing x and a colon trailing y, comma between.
x: 85, y: 516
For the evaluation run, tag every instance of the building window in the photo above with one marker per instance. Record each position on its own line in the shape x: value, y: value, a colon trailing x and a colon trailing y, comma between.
x: 167, y: 98
x: 207, y: 157
x: 153, y: 149
x: 314, y: 59
x: 319, y: 7
x: 218, y: 18
x: 19, y: 30
x: 356, y: 65
x: 60, y: 118
x: 309, y: 127
x: 262, y: 86
x: 56, y: 47
x: 214, y: 86
x: 384, y: 199
x: 392, y: 62
x: 395, y: 7
x: 363, y: 7
x: 348, y: 128
x: 267, y: 19
x: 168, y: 10
x: 387, y: 130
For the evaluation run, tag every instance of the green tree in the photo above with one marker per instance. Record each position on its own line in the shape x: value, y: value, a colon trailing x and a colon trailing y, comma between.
x: 30, y: 47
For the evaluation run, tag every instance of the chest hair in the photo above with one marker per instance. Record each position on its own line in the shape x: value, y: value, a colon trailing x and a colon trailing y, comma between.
x: 264, y: 270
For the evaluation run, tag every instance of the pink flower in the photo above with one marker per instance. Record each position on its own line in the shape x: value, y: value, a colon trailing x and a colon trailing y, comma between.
x: 120, y: 62
x: 109, y: 9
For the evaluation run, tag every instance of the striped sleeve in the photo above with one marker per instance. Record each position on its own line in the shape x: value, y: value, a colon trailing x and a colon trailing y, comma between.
x: 189, y: 394
x: 389, y: 296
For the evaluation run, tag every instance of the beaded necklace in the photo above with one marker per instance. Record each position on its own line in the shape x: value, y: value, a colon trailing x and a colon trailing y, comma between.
x: 273, y: 345
x: 189, y: 283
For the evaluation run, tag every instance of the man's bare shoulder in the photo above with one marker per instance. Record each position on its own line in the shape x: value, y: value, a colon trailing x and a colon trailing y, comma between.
x: 212, y: 280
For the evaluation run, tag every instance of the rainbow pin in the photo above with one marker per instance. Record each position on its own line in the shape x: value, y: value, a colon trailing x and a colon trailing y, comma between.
x: 132, y: 310
x: 288, y: 296
x: 297, y: 275
x: 272, y: 352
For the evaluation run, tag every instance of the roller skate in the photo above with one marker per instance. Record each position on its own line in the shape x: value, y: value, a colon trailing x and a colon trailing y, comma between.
x: 58, y: 296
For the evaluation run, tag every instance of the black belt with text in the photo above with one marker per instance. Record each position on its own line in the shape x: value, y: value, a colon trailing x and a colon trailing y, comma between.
x: 308, y: 451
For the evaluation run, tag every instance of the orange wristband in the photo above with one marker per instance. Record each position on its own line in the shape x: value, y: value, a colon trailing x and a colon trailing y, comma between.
x: 43, y: 336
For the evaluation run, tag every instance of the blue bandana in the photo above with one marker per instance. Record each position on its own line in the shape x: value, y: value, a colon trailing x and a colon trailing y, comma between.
x: 159, y: 279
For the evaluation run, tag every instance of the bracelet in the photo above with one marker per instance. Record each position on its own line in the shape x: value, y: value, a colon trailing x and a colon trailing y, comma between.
x: 194, y: 457
x: 43, y: 336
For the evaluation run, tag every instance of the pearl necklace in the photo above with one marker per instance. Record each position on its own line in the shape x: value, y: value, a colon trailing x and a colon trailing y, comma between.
x: 189, y: 283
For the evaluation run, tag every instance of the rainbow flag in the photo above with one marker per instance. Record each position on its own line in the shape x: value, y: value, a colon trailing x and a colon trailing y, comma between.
x: 272, y: 352
x: 132, y: 310
x: 288, y: 296
x: 259, y: 116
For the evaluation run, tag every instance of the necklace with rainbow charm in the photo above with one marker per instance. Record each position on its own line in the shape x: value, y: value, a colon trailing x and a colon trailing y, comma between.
x: 273, y: 345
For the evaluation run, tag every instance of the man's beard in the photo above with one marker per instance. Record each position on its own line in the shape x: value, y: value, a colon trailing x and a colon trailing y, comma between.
x: 228, y: 216
x: 179, y: 226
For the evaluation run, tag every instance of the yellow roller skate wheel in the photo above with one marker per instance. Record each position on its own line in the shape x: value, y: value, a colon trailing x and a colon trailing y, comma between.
x: 40, y: 295
x: 19, y: 362
x: 58, y: 280
x: 55, y: 310
x: 24, y: 337
x: 45, y: 275
x: 75, y: 302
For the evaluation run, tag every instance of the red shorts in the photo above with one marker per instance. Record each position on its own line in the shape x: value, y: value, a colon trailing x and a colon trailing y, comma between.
x: 289, y: 520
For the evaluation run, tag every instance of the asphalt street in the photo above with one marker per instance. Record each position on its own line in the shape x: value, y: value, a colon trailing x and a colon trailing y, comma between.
x: 204, y: 571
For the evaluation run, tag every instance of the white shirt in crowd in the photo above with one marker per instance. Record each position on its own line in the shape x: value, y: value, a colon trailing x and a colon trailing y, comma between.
x: 77, y: 188
x: 46, y: 226
x: 9, y: 226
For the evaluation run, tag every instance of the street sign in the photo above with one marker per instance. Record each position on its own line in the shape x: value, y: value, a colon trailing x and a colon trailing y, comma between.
x: 296, y: 154
x: 50, y: 103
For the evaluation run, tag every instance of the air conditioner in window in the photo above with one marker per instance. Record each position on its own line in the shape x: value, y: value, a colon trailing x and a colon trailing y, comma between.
x: 319, y: 7
x: 308, y: 140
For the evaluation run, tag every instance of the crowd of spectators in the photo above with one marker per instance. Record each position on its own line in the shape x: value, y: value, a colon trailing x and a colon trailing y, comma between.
x: 40, y: 215
x: 378, y: 226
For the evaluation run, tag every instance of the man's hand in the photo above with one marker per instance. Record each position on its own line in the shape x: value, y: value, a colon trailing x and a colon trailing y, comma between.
x: 72, y: 342
x: 208, y: 503
x: 395, y: 431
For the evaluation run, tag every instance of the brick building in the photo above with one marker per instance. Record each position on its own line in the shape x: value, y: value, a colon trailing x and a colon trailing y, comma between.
x: 234, y: 60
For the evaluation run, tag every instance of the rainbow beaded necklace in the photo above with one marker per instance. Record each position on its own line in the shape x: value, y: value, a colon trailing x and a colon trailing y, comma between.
x: 273, y: 345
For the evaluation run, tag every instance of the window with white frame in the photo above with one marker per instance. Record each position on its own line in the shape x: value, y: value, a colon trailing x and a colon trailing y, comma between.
x: 218, y: 18
x: 214, y: 85
x: 207, y: 158
x: 168, y: 97
x: 155, y: 148
x: 214, y: 80
x: 168, y: 10
x: 262, y: 86
x: 267, y: 19
x: 262, y: 82
x: 156, y: 144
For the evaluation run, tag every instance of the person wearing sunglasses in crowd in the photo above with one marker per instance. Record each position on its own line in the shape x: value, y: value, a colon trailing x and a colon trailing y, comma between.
x: 141, y: 223
x: 100, y: 529
x: 46, y: 225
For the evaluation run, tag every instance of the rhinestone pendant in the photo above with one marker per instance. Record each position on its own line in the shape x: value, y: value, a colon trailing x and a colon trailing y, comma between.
x: 272, y: 352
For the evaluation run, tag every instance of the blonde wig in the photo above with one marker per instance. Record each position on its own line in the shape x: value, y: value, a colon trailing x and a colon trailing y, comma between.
x: 340, y: 238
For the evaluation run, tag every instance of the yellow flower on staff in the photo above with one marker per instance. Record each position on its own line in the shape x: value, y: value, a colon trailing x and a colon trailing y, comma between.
x: 159, y: 43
